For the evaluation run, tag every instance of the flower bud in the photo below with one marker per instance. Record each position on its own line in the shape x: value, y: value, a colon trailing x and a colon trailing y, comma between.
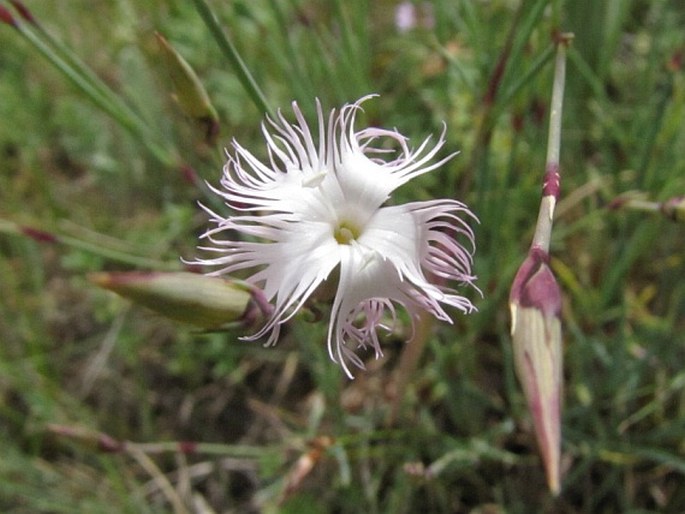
x: 535, y: 303
x: 206, y: 302
x: 189, y: 91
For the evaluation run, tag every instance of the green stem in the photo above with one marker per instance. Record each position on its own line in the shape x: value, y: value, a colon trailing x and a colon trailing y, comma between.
x: 95, y: 248
x: 231, y: 53
x: 543, y: 228
x: 116, y: 110
x: 554, y: 136
x: 238, y: 451
x: 136, y: 261
x: 89, y: 75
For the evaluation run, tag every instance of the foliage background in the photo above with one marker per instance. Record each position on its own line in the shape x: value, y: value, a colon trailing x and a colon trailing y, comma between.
x: 77, y: 362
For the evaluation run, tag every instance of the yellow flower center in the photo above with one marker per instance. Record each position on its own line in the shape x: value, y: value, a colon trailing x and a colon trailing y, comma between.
x: 346, y: 232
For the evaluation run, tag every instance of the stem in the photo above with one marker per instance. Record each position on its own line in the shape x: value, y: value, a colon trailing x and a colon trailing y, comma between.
x: 94, y: 247
x: 105, y: 100
x: 552, y: 177
x: 231, y: 53
x: 554, y: 137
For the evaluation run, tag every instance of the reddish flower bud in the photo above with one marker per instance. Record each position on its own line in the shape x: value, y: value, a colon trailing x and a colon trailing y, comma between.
x: 535, y: 303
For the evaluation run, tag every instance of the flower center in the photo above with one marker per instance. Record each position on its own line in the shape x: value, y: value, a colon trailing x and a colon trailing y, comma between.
x: 346, y: 232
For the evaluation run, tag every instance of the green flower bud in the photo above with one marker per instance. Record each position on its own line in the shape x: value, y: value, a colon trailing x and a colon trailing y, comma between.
x: 189, y: 91
x: 206, y: 302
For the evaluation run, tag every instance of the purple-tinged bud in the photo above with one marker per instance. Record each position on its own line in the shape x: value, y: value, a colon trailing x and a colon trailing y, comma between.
x: 535, y: 303
x: 23, y: 11
x: 6, y: 17
x: 674, y: 209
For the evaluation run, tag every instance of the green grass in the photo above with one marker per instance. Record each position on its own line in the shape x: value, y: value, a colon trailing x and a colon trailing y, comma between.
x: 114, y: 195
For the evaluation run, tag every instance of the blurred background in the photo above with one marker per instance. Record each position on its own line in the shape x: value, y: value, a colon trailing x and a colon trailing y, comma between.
x: 107, y: 407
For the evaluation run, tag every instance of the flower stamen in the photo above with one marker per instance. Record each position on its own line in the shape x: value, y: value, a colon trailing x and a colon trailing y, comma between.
x: 345, y: 233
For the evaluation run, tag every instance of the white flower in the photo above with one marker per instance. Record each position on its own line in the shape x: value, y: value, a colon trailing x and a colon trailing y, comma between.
x: 314, y: 212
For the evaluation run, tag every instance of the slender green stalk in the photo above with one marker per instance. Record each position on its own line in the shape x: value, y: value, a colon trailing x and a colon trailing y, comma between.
x: 543, y: 228
x: 234, y: 450
x: 116, y: 110
x: 231, y: 53
x: 136, y: 261
x: 88, y: 75
x: 95, y: 248
x: 554, y: 135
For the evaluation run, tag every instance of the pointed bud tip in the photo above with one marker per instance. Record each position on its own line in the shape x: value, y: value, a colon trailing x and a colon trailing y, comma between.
x: 553, y: 482
x: 188, y: 91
